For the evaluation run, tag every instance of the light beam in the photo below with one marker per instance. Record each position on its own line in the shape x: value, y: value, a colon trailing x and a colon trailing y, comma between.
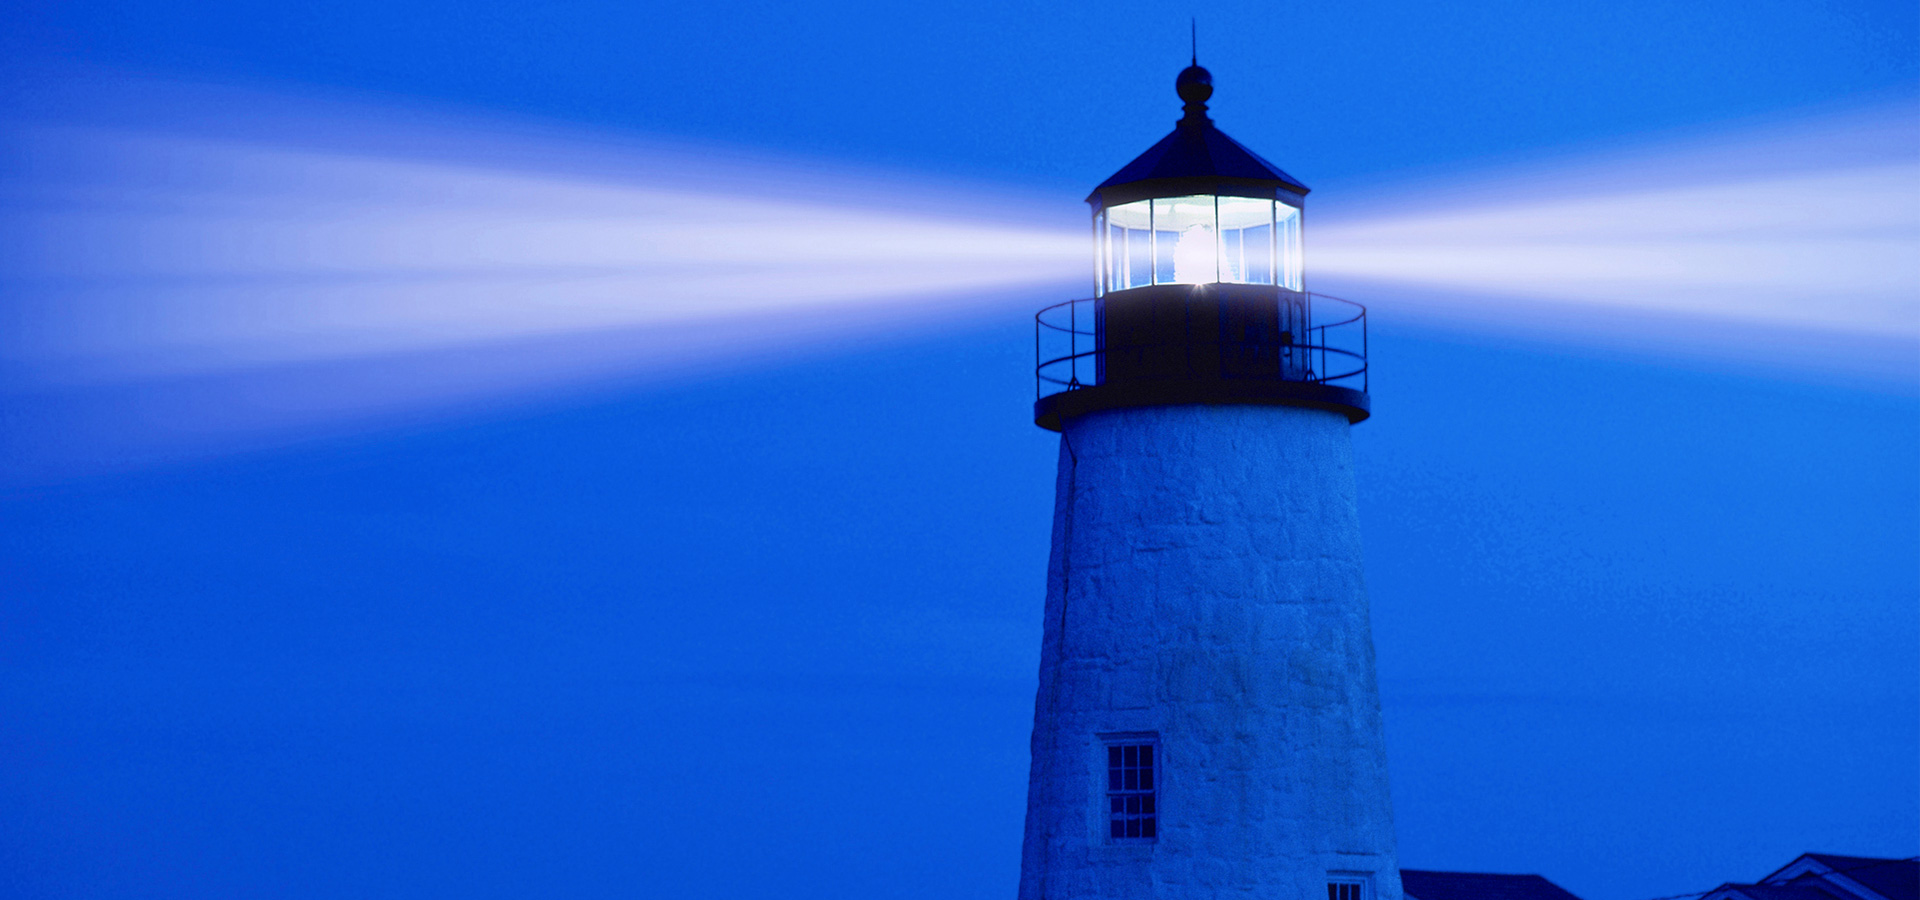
x: 1808, y: 228
x: 162, y: 255
x: 200, y: 270
x: 197, y: 270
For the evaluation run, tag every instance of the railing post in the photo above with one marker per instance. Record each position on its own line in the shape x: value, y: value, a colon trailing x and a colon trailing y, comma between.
x: 1366, y: 373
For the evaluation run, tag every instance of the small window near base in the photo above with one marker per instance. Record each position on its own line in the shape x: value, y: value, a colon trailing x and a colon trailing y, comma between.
x: 1348, y: 887
x: 1131, y: 812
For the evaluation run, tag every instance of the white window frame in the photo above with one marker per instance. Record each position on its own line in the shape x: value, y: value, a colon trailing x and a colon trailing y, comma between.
x: 1104, y: 816
x: 1361, y: 880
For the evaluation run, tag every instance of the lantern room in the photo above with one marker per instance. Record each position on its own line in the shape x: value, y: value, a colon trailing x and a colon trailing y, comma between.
x: 1199, y: 291
x: 1197, y: 208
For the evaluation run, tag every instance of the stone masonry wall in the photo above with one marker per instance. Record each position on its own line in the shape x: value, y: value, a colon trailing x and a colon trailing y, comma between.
x: 1206, y: 587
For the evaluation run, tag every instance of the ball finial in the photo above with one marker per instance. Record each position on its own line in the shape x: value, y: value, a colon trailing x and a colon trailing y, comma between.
x: 1194, y: 85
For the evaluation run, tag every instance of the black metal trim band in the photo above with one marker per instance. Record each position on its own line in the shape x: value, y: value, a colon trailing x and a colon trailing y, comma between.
x: 1051, y: 411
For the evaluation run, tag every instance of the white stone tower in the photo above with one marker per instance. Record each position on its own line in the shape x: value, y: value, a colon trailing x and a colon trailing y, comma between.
x: 1207, y: 723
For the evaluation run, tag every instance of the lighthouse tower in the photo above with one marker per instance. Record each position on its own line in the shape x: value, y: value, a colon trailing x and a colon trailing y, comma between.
x: 1207, y: 722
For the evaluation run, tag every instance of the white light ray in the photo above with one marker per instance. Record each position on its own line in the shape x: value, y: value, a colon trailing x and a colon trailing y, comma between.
x: 218, y: 254
x: 183, y: 279
x: 1761, y: 228
x: 194, y: 270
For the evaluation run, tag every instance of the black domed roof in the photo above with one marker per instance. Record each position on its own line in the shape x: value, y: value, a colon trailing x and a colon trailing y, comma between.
x: 1196, y: 151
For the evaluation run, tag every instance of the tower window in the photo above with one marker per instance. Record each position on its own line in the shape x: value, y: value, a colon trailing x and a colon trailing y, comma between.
x: 1347, y: 888
x: 1131, y: 813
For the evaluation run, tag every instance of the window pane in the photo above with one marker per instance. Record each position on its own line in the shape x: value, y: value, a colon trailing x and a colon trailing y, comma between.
x: 1346, y: 890
x: 1288, y: 226
x: 1139, y: 258
x: 1246, y: 238
x: 1258, y: 252
x: 1185, y: 250
x: 1130, y: 797
x: 1130, y: 245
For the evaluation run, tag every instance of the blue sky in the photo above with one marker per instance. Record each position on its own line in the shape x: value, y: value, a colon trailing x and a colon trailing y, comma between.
x: 1646, y: 622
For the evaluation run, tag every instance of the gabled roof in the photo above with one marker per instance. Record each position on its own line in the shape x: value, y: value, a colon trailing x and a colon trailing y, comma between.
x: 1798, y: 890
x: 1894, y: 879
x: 1424, y: 885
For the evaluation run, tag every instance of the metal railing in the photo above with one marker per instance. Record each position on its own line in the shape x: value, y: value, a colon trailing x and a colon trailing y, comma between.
x: 1068, y: 355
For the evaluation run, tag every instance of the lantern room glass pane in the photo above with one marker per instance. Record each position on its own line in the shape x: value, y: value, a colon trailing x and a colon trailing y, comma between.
x: 1287, y: 226
x: 1246, y: 240
x: 1184, y: 247
x: 1129, y: 246
x: 1104, y: 270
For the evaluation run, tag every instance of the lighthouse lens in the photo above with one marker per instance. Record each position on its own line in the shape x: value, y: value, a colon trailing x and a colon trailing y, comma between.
x: 1185, y: 249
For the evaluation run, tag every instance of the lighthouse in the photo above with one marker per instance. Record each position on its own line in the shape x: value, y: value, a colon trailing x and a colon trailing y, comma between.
x: 1207, y: 722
